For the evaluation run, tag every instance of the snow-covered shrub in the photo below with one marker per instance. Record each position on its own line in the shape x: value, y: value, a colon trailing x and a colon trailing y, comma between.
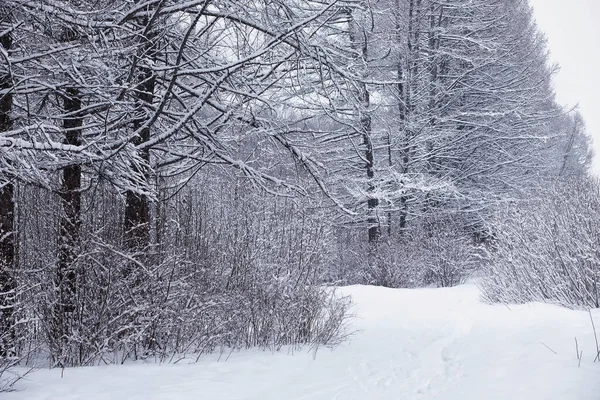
x: 449, y: 258
x: 234, y: 268
x: 10, y: 374
x: 438, y: 253
x: 548, y: 248
x: 8, y: 377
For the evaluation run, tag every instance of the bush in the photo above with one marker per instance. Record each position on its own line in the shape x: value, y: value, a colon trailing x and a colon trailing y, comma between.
x: 438, y: 253
x: 547, y: 249
x: 233, y: 274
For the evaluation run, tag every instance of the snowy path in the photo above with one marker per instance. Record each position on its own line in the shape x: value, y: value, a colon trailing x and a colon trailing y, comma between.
x: 413, y: 344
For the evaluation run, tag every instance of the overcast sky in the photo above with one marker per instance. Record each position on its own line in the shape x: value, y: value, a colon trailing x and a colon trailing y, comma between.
x: 573, y: 31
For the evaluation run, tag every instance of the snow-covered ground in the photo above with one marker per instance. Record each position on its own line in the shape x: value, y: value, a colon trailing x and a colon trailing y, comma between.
x: 411, y: 344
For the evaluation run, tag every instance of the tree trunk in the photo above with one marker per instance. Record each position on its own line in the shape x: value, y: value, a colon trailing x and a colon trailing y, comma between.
x: 7, y: 219
x: 360, y: 43
x: 70, y: 221
x: 403, y: 106
x: 373, y: 202
x: 70, y: 218
x: 137, y: 207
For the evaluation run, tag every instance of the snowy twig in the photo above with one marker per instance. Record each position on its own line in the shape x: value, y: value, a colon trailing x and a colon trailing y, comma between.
x: 545, y: 345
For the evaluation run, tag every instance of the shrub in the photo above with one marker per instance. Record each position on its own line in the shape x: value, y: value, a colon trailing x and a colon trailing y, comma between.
x: 548, y: 248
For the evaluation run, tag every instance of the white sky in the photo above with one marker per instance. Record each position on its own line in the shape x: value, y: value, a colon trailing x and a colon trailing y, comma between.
x: 573, y: 31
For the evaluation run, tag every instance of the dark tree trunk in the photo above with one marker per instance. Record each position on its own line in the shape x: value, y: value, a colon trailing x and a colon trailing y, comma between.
x: 137, y: 215
x: 373, y: 202
x: 7, y: 264
x: 70, y: 221
x: 366, y: 125
x: 403, y: 106
x: 359, y: 41
x: 137, y: 207
x: 432, y: 162
x: 7, y: 218
x: 70, y: 218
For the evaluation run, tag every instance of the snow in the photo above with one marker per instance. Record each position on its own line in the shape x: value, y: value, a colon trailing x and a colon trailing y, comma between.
x: 409, y: 344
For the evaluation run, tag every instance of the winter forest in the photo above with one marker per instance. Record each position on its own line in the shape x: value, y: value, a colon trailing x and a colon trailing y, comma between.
x: 183, y: 177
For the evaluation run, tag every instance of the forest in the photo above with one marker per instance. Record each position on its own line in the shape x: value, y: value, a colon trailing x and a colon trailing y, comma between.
x: 183, y: 177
